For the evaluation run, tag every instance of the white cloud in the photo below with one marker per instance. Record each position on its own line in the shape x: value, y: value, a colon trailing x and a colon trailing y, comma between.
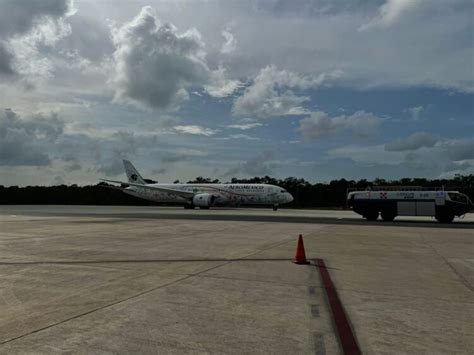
x: 368, y: 155
x: 25, y: 27
x: 230, y: 43
x: 415, y: 111
x: 22, y: 140
x: 319, y: 124
x: 30, y: 63
x: 271, y: 93
x: 245, y: 126
x: 19, y: 17
x: 90, y: 38
x: 445, y: 158
x: 427, y: 46
x: 219, y: 85
x: 156, y: 64
x: 195, y: 130
x: 6, y: 61
x: 182, y: 154
x: 257, y: 166
x: 118, y: 146
x: 458, y: 149
x: 413, y: 142
x: 454, y: 169
x: 239, y: 136
x: 191, y: 152
x: 433, y: 47
x: 390, y: 12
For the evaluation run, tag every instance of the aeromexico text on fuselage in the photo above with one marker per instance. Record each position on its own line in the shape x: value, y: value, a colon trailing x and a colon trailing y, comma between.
x: 202, y: 195
x: 245, y: 187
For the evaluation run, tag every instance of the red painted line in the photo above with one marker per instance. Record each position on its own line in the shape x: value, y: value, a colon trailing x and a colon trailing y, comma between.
x: 346, y: 336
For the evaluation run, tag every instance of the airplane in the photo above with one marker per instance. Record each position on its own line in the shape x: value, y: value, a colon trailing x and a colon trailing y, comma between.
x: 202, y: 195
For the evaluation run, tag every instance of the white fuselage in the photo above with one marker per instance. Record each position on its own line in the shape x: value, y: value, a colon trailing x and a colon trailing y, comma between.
x: 223, y: 194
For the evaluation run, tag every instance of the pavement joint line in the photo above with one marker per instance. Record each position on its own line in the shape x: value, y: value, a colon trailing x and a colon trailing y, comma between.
x: 109, y: 281
x: 274, y: 245
x: 344, y: 329
x: 243, y: 258
x: 124, y: 261
x: 91, y: 265
x: 97, y: 266
x: 461, y: 278
x: 260, y: 281
x: 106, y: 306
x: 90, y: 311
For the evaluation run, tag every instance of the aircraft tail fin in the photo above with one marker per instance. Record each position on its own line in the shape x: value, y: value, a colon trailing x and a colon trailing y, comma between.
x: 132, y: 174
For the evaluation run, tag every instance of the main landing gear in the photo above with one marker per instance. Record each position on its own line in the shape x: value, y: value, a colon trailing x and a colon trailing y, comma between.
x: 189, y: 206
x: 275, y: 207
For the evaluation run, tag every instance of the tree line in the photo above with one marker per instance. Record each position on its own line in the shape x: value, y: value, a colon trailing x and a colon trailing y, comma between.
x: 306, y: 194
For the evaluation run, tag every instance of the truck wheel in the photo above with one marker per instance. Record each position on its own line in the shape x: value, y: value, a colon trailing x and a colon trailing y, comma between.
x: 372, y: 215
x: 388, y: 216
x: 445, y: 217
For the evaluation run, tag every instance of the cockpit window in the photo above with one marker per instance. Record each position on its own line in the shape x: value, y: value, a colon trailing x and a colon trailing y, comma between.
x: 282, y: 191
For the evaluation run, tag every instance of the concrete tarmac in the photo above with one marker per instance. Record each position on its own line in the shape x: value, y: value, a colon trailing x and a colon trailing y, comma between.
x: 87, y: 279
x: 230, y: 214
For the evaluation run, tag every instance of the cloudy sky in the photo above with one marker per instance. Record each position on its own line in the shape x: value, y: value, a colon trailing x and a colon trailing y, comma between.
x: 319, y: 89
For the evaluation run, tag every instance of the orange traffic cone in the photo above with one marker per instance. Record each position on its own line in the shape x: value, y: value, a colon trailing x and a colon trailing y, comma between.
x: 300, y: 257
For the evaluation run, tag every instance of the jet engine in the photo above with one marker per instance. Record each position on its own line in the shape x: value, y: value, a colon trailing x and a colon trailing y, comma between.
x: 203, y: 200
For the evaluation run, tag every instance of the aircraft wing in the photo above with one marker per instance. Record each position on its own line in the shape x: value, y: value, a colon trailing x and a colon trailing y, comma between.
x: 113, y: 187
x: 186, y: 194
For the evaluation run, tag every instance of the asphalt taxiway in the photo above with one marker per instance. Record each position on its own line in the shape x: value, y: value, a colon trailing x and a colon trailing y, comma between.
x: 89, y: 279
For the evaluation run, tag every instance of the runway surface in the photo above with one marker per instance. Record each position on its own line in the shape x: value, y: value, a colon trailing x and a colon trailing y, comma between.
x: 344, y: 217
x: 100, y: 279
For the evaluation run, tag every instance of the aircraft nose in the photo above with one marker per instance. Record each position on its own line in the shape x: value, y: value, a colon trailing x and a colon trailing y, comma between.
x: 290, y: 198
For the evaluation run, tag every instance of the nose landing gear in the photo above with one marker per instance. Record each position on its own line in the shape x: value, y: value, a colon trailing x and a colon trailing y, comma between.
x: 275, y: 207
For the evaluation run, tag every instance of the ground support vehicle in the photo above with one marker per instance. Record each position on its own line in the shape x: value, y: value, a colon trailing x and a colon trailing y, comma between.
x: 392, y: 202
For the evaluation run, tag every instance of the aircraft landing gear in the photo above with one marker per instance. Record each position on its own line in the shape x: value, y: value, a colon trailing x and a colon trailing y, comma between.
x: 275, y: 207
x: 189, y: 206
